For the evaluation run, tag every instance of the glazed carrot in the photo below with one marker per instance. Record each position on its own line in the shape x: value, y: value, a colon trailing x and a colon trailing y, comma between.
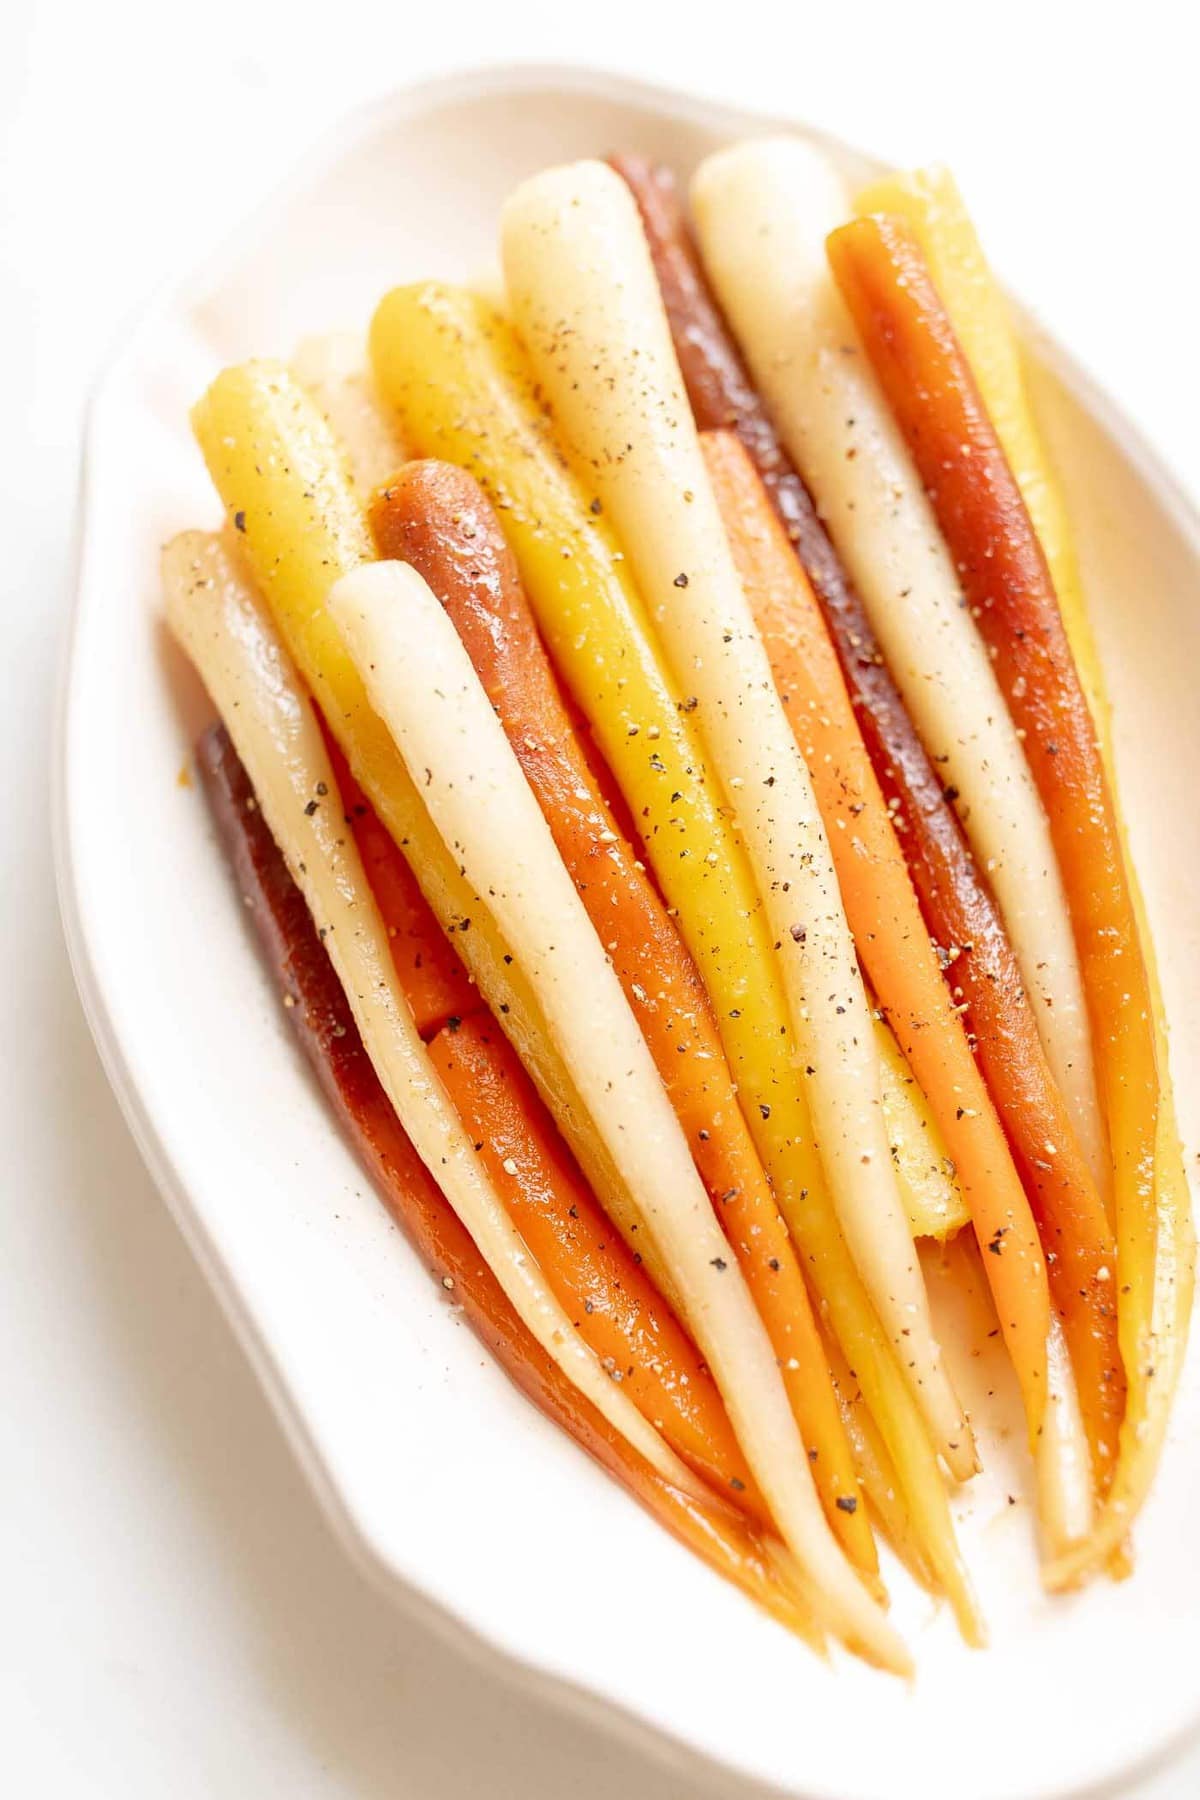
x: 764, y: 210
x: 1007, y: 582
x: 608, y: 1297
x: 284, y: 479
x: 220, y: 622
x: 907, y: 979
x: 435, y: 983
x: 583, y: 291
x: 722, y: 394
x: 420, y: 679
x: 596, y: 1279
x: 437, y: 518
x: 453, y: 373
x: 324, y: 1024
x: 956, y: 903
x: 611, y: 1300
x: 929, y: 200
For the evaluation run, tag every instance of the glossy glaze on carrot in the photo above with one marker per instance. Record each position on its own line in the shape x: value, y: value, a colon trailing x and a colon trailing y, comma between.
x: 592, y: 1274
x: 1006, y: 581
x: 454, y: 374
x: 436, y: 517
x: 321, y: 1018
x: 905, y: 973
x: 600, y: 1283
x: 957, y: 905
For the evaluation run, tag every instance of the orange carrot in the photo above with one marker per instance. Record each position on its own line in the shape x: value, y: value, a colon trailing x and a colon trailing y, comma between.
x: 437, y: 518
x: 896, y: 952
x: 590, y: 1270
x: 324, y: 1025
x: 1006, y: 581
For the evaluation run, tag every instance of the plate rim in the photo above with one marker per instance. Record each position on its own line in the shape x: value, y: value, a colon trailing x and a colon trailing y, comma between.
x: 525, y: 1669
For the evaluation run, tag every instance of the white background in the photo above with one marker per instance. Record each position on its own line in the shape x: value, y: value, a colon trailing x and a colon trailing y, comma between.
x: 174, y: 1618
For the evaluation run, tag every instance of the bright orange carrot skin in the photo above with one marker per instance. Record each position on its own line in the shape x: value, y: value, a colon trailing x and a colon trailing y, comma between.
x: 435, y: 984
x: 436, y: 517
x: 588, y: 1267
x: 324, y: 1025
x: 903, y: 968
x: 933, y: 397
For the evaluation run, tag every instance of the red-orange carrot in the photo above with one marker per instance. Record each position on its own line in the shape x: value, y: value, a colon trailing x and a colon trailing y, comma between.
x: 587, y: 1265
x: 905, y: 973
x: 436, y: 517
x: 1004, y: 575
x: 321, y: 1017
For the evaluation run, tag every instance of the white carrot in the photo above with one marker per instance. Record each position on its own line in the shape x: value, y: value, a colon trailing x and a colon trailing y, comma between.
x: 422, y: 684
x: 585, y: 298
x: 227, y: 633
x: 763, y: 211
x: 334, y: 370
x: 1062, y: 1465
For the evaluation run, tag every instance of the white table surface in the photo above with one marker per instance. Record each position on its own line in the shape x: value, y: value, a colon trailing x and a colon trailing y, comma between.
x: 176, y: 1619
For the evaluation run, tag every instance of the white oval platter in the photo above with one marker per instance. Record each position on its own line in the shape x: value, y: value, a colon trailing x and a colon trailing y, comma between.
x: 437, y: 1475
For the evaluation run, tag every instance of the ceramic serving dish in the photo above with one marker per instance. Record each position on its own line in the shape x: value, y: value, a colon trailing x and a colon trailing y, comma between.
x: 437, y: 1475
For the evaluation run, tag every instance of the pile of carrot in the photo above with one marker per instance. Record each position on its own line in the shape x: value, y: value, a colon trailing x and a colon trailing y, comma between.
x: 582, y: 555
